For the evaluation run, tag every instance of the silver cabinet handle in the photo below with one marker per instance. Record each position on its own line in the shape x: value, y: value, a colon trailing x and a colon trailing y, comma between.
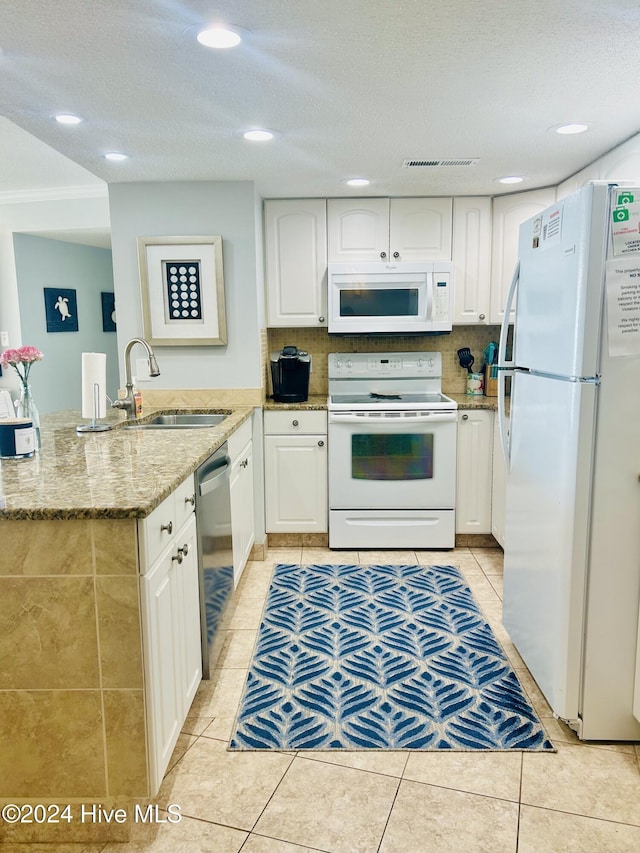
x: 481, y: 316
x: 295, y: 423
x: 396, y: 254
x: 167, y: 527
x: 321, y: 444
x: 244, y: 463
x: 321, y: 319
x: 184, y: 550
x: 465, y: 417
x: 177, y: 557
x: 383, y: 255
x: 191, y: 500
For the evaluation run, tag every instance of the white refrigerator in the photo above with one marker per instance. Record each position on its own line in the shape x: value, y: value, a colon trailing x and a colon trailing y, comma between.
x: 572, y: 522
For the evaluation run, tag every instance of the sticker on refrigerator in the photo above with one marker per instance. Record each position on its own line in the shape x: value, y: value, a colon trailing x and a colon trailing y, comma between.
x: 547, y: 228
x: 623, y: 306
x: 625, y: 228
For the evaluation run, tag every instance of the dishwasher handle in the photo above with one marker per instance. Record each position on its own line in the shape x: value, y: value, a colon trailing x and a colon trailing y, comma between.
x: 214, y: 477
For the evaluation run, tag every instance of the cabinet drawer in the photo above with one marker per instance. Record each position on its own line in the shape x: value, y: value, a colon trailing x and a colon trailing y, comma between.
x: 239, y: 439
x: 295, y: 422
x: 163, y: 523
x: 185, y: 501
x: 158, y: 528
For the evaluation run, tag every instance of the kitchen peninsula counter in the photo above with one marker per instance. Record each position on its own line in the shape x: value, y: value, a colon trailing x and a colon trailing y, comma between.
x: 120, y: 473
x: 72, y: 668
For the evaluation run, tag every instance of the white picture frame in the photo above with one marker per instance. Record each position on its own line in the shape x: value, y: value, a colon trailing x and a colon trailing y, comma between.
x: 182, y: 287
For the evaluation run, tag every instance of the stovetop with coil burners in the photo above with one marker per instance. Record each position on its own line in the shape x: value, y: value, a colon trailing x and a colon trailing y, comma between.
x: 398, y: 381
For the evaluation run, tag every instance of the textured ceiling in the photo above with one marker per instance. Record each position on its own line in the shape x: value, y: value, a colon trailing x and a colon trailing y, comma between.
x: 354, y: 88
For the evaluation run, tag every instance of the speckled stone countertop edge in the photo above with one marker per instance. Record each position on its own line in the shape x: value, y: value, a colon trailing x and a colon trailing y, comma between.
x: 145, y: 471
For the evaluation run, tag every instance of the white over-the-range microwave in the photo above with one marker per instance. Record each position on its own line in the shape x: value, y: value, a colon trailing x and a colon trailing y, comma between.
x: 378, y: 298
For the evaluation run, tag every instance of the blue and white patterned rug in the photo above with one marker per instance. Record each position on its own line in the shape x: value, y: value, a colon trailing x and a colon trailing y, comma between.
x: 380, y: 657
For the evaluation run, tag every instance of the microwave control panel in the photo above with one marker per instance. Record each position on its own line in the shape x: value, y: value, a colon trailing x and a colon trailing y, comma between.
x: 441, y: 297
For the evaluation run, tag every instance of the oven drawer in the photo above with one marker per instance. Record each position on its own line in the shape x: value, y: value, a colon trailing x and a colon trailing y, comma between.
x: 392, y: 529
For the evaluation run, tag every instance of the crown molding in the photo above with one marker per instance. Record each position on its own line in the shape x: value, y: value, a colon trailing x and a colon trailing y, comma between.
x: 53, y: 194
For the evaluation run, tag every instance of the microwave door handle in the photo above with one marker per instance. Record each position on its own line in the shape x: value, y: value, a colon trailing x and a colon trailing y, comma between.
x: 431, y: 281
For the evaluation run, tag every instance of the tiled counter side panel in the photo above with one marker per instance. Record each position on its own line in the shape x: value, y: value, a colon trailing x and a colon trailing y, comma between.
x: 71, y: 671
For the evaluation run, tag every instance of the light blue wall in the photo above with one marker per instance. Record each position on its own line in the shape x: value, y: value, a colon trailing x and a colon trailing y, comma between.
x: 182, y: 209
x: 40, y: 263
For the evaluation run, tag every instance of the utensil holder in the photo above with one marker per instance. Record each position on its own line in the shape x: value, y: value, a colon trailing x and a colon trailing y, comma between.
x: 475, y: 384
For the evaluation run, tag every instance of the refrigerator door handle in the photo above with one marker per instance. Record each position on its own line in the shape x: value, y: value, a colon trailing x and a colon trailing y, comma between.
x: 505, y: 368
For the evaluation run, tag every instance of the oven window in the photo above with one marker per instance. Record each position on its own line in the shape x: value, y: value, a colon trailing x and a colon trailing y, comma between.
x: 392, y: 457
x: 400, y: 302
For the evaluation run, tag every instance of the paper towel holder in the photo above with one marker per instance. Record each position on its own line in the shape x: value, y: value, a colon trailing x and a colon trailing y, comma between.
x: 95, y: 425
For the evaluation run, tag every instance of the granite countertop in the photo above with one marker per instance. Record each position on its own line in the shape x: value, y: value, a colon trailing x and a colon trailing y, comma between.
x: 120, y: 473
x: 314, y: 403
x: 124, y: 473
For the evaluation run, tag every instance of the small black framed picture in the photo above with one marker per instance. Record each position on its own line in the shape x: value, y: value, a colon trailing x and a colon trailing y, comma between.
x: 108, y: 312
x: 61, y: 309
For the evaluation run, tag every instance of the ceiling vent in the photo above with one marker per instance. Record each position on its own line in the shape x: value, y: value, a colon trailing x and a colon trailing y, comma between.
x: 462, y: 161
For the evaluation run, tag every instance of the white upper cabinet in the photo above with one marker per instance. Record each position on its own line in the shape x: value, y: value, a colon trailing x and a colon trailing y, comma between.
x: 382, y: 229
x: 295, y: 245
x: 471, y: 260
x: 509, y: 212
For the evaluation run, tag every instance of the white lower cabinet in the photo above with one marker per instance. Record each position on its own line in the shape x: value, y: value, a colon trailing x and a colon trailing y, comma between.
x: 295, y: 472
x: 242, y: 513
x: 474, y: 471
x: 170, y: 623
x: 499, y: 486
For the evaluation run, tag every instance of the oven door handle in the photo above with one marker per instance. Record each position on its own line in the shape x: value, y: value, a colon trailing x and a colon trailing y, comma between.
x: 349, y: 418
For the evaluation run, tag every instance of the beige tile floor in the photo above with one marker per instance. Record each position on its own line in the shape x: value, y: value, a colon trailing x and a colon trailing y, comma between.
x: 582, y: 799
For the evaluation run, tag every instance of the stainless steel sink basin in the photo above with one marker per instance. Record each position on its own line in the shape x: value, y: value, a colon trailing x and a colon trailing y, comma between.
x: 182, y: 421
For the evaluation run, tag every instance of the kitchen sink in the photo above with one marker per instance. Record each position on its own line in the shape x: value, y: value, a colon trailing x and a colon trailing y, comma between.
x: 182, y: 421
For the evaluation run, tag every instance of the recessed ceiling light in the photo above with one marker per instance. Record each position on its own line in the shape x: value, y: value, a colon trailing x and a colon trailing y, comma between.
x: 510, y: 179
x: 115, y: 155
x: 357, y: 182
x: 68, y: 118
x: 259, y: 135
x: 574, y: 127
x: 219, y: 36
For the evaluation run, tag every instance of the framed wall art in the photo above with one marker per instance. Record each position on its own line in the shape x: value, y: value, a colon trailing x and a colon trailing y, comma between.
x: 182, y: 283
x: 108, y: 301
x: 60, y: 309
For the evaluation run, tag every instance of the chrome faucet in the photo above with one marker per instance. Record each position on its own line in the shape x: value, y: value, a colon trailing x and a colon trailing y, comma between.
x: 128, y: 403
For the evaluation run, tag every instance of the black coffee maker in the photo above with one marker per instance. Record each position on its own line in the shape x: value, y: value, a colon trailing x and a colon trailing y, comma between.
x: 290, y: 370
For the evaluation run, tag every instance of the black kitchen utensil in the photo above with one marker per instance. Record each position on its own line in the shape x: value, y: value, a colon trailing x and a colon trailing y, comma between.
x: 465, y: 358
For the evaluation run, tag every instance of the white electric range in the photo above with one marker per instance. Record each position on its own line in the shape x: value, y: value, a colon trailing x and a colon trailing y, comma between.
x: 392, y: 452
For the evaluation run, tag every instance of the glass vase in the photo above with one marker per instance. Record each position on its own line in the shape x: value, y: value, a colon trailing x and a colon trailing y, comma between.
x: 26, y: 408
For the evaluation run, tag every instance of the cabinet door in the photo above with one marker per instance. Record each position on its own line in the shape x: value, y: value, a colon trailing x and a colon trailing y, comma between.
x: 161, y: 632
x: 358, y: 230
x: 420, y: 229
x: 242, y: 515
x: 509, y: 212
x: 296, y: 262
x: 498, y: 486
x: 296, y: 484
x: 188, y: 589
x: 471, y: 260
x: 474, y: 468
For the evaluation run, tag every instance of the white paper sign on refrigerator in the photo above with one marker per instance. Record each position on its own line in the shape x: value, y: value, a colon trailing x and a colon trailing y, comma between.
x: 623, y: 306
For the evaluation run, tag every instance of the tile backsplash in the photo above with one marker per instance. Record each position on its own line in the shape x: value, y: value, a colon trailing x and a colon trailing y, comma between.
x: 318, y: 343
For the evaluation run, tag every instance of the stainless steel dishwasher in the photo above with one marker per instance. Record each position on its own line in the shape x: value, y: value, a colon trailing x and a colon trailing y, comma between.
x: 215, y: 553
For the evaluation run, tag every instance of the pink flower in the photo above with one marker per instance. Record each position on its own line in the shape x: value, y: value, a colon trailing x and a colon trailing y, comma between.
x: 23, y: 355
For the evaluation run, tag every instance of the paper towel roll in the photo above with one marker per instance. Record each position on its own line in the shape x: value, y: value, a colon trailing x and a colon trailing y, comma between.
x: 94, y: 371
